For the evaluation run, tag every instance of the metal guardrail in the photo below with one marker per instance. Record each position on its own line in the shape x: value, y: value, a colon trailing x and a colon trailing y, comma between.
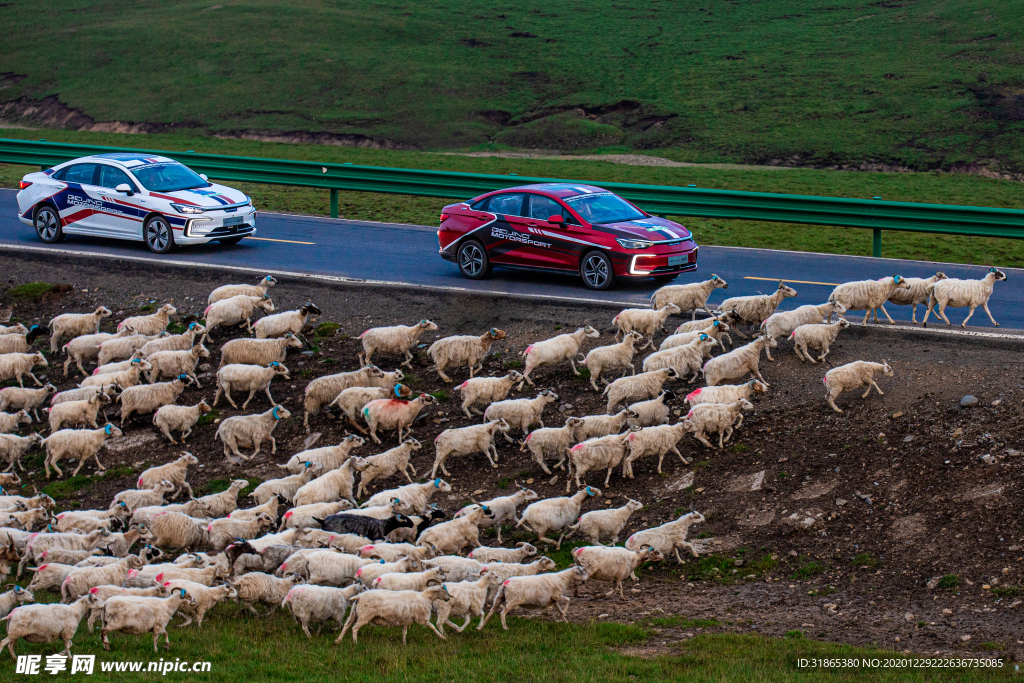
x: 873, y: 214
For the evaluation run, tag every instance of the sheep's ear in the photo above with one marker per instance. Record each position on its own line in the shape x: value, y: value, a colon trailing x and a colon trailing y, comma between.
x: 107, y: 429
x: 437, y: 483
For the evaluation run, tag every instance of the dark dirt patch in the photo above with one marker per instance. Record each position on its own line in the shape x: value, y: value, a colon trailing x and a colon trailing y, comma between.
x: 945, y: 502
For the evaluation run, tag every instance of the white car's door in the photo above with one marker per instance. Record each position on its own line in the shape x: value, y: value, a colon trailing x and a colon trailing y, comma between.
x: 81, y: 200
x: 122, y: 216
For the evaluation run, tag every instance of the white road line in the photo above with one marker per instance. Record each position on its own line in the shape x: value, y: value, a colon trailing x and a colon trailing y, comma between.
x: 437, y: 288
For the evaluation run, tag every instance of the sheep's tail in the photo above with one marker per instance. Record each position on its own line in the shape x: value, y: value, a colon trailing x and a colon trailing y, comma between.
x: 363, y: 334
x: 605, y: 392
x: 581, y: 359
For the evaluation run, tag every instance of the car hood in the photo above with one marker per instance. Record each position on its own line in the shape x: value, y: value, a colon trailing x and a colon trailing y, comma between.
x: 209, y: 197
x: 652, y: 228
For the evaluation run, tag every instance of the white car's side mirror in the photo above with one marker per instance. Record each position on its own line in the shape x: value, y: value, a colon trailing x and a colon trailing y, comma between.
x: 203, y: 176
x: 124, y: 188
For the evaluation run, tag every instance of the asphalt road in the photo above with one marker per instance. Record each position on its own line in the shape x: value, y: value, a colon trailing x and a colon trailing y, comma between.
x: 408, y: 254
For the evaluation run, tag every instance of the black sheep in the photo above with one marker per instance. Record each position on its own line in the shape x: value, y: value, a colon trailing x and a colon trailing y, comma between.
x: 368, y: 527
x: 426, y: 520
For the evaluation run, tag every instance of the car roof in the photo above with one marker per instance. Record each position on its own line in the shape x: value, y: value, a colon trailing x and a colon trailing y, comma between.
x: 562, y: 190
x: 128, y: 159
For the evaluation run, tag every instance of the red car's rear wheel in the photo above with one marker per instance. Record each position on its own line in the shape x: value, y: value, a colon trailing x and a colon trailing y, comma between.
x: 473, y: 261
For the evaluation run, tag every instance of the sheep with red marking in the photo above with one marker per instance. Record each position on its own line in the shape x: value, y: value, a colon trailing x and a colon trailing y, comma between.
x: 351, y: 401
x: 136, y: 615
x: 77, y: 444
x: 286, y: 487
x: 755, y: 309
x: 462, y: 441
x: 234, y: 311
x: 328, y: 457
x: 78, y: 413
x: 223, y: 532
x: 177, y: 363
x: 463, y: 350
x: 174, y: 472
x: 394, y: 340
x: 480, y: 392
x: 689, y: 297
x: 715, y: 329
x: 736, y: 364
x: 149, y: 398
x: 302, y: 516
x: 176, y: 530
x: 141, y: 498
x: 175, y: 342
x: 607, y: 524
x: 104, y: 593
x: 205, y: 598
x: 393, y: 608
x: 536, y: 592
x: 659, y: 441
x: 261, y: 352
x: 123, y: 348
x: 559, y: 349
x: 87, y: 348
x: 780, y: 325
x: 552, y: 441
x: 78, y: 582
x: 335, y: 485
x: 683, y: 360
x: 449, y: 538
x: 667, y: 538
x: 390, y: 413
x: 603, y: 425
x: 614, y: 564
x: 604, y: 452
x: 518, y: 555
x: 123, y: 379
x: 46, y: 623
x: 723, y: 418
x: 416, y: 497
x: 521, y: 412
x: 726, y: 393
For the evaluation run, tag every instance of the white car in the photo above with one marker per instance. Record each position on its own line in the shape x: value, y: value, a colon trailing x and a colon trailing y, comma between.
x: 134, y: 197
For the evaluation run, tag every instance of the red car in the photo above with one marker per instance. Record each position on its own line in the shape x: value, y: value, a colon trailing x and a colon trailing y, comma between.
x: 566, y: 228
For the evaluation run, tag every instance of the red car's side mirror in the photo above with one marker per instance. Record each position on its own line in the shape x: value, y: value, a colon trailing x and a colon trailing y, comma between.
x: 556, y: 219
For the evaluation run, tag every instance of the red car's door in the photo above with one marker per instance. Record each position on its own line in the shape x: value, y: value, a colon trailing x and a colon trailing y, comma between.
x: 506, y: 236
x: 552, y: 247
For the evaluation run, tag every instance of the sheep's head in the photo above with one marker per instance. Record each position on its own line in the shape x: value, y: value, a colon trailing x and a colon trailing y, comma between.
x: 373, y: 370
x: 719, y: 282
x: 427, y: 325
x: 111, y: 431
x: 40, y: 359
x: 50, y: 389
x: 670, y: 309
x: 634, y: 337
x: 670, y: 373
x: 787, y: 291
x: 634, y: 505
x: 168, y: 309
x: 759, y: 387
x: 266, y: 305
x: 311, y: 307
x: 667, y: 395
x: 528, y: 548
x: 426, y: 399
x: 745, y: 404
x: 204, y: 407
x: 413, y: 444
x: 573, y: 422
x: 495, y: 334
x: 631, y: 413
x: 280, y: 369
x: 592, y: 491
x: 1000, y: 275
x: 102, y: 312
x: 514, y: 376
x: 843, y: 323
x: 545, y: 563
x: 548, y: 394
x: 886, y: 368
x: 188, y: 458
x: 578, y: 573
x: 694, y: 517
x: 838, y: 307
x: 501, y: 425
x: 354, y: 440
x: 291, y: 341
x: 280, y: 412
x: 652, y: 554
x: 590, y: 332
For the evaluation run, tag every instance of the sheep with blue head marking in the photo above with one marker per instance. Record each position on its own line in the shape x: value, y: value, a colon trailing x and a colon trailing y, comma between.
x: 868, y: 295
x: 555, y: 514
x: 689, y: 297
x: 251, y: 378
x: 228, y: 291
x: 716, y: 329
x: 684, y: 360
x: 329, y: 457
x: 755, y: 309
x: 393, y: 340
x: 250, y: 430
x: 963, y: 293
x: 77, y: 444
x: 123, y: 379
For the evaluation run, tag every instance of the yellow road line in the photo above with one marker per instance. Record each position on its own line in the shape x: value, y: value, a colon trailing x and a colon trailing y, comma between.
x: 776, y: 279
x: 267, y: 239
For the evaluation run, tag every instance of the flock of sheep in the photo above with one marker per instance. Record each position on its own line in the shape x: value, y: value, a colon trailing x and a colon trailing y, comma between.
x: 396, y: 558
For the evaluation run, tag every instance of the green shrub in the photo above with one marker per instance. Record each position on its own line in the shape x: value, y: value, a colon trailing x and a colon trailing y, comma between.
x: 949, y: 581
x: 808, y: 570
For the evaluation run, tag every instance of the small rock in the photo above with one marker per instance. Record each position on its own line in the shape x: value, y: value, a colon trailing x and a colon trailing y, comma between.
x: 896, y: 415
x: 968, y: 582
x: 311, y: 439
x: 783, y: 459
x: 700, y: 490
x: 897, y: 639
x: 308, y: 353
x: 603, y: 616
x: 1015, y: 603
x: 738, y: 563
x: 985, y: 587
x: 217, y: 421
x: 908, y: 438
x: 634, y: 590
x: 529, y: 481
x: 947, y: 611
x: 553, y: 480
x: 841, y: 502
x: 610, y: 495
x: 933, y: 582
x: 205, y: 367
x: 881, y: 436
x: 996, y: 402
x: 908, y: 616
x: 1012, y: 452
x: 968, y: 401
x: 957, y: 432
x: 478, y: 492
x: 965, y: 638
x: 677, y: 412
x: 793, y: 553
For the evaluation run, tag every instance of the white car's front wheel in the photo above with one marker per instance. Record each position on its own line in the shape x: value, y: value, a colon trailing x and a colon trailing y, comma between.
x: 159, y: 236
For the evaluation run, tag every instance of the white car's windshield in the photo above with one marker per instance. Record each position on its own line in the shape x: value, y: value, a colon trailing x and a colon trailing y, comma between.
x: 603, y: 208
x: 168, y: 178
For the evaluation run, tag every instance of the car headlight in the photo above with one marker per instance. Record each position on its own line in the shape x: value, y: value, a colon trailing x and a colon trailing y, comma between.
x: 184, y: 208
x: 634, y: 244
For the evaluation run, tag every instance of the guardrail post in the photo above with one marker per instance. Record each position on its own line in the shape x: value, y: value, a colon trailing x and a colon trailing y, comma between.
x: 876, y: 243
x: 334, y: 203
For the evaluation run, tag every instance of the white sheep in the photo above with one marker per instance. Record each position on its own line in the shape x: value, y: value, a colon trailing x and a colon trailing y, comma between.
x: 660, y: 441
x: 728, y: 317
x: 683, y: 360
x: 174, y: 472
x: 285, y: 486
x: 458, y: 568
x: 755, y: 309
x: 49, y: 576
x: 604, y: 452
x: 466, y: 599
x: 288, y: 322
x: 175, y: 530
x: 105, y: 592
x: 368, y: 574
x: 603, y: 425
x: 556, y: 350
x: 716, y: 329
x: 234, y: 311
x: 552, y: 441
x: 20, y: 342
x: 123, y: 348
x: 323, y: 390
x: 726, y: 393
x: 415, y: 497
x: 328, y: 457
x: 555, y: 514
x: 851, y: 376
x: 182, y: 419
x: 393, y: 608
x: 537, y: 592
x: 637, y: 387
x: 46, y: 623
x: 118, y: 366
x: 518, y: 555
x: 77, y: 444
x: 217, y: 505
x: 269, y: 507
x: 483, y: 391
x: 141, y: 498
x: 123, y: 379
x: 504, y: 509
x: 10, y: 599
x: 820, y: 336
x: 16, y: 328
x: 466, y: 441
x: 250, y: 430
x: 17, y: 365
x: 780, y: 325
x: 868, y: 295
x: 175, y: 363
x: 204, y: 598
x: 78, y: 582
x: 960, y: 293
x: 643, y: 320
x: 397, y: 339
x: 71, y: 325
x: 351, y: 401
x: 302, y: 516
x: 17, y: 398
x: 11, y: 422
x: 688, y: 297
x: 389, y: 463
x: 463, y: 350
x: 110, y: 390
x: 149, y: 398
x: 652, y: 412
x: 251, y: 378
x: 723, y: 418
x: 87, y: 348
x: 136, y: 615
x: 616, y: 357
x: 258, y: 351
x: 155, y: 323
x: 328, y: 567
x: 335, y: 485
x: 607, y: 524
x: 228, y: 291
x: 316, y: 604
x: 614, y: 564
x: 736, y: 363
x: 175, y: 342
x: 918, y: 293
x: 521, y: 412
x: 224, y: 531
x: 390, y: 413
x: 449, y: 538
x: 667, y: 538
x: 393, y: 552
x: 409, y: 581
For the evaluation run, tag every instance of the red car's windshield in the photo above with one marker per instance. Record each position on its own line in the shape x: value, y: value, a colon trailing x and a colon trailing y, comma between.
x: 603, y: 207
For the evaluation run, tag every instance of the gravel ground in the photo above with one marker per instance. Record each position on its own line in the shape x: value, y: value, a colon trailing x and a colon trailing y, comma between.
x: 910, y: 484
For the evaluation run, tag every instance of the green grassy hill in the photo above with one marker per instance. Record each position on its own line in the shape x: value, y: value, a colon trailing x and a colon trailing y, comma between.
x: 920, y: 84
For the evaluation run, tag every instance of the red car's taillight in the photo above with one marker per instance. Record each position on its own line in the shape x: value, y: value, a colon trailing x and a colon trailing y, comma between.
x: 23, y: 184
x: 444, y: 217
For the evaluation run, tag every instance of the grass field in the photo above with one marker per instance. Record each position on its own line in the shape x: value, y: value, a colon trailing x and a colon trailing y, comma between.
x: 921, y: 84
x: 242, y: 647
x: 932, y: 187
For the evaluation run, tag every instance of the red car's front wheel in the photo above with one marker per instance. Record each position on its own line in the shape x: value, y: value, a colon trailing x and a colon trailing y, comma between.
x: 596, y: 271
x: 473, y: 261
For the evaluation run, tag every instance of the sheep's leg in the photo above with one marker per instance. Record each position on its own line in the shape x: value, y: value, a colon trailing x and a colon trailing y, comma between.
x: 768, y: 353
x: 824, y: 352
x: 408, y: 359
x: 739, y: 332
x: 227, y: 395
x: 103, y: 634
x: 702, y: 438
x: 876, y: 388
x: 969, y: 314
x: 608, y: 477
x: 438, y: 463
x: 913, y: 313
x: 487, y: 452
x: 888, y: 317
x: 593, y: 380
x: 440, y: 372
x: 563, y: 600
x: 572, y: 362
x: 469, y: 619
x: 757, y: 373
x: 832, y: 402
x: 373, y: 432
x: 867, y: 314
x: 984, y: 306
x: 56, y: 469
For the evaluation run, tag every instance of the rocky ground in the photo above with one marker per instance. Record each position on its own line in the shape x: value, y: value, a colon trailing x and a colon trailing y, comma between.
x: 896, y: 523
